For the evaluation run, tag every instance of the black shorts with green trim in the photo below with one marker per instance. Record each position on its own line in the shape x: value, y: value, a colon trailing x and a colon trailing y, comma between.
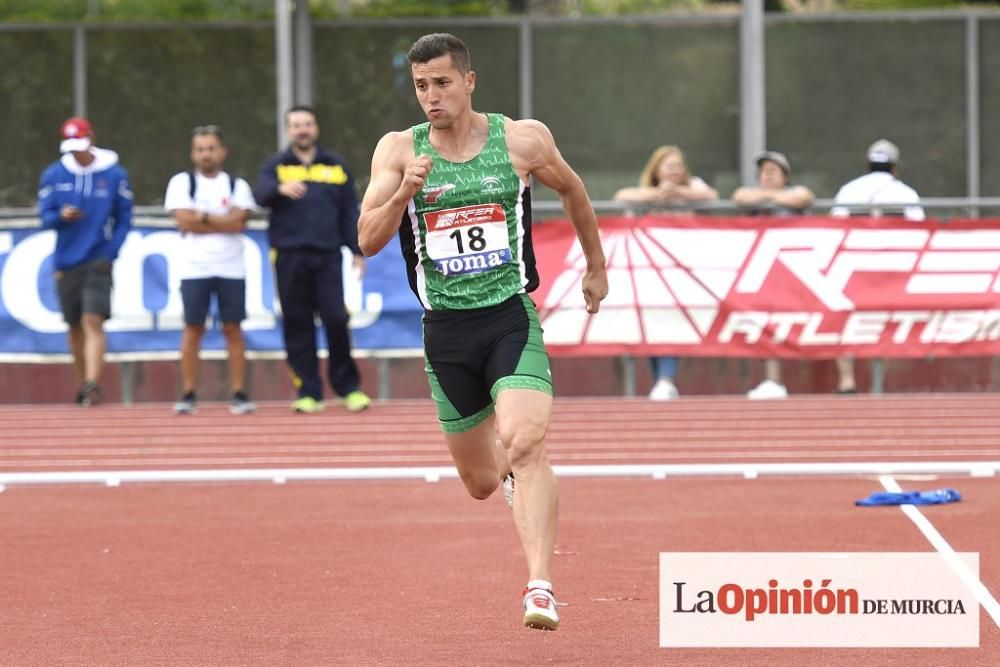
x: 472, y: 355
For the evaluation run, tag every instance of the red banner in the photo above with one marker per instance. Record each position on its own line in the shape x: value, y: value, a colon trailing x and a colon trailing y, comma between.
x: 809, y: 287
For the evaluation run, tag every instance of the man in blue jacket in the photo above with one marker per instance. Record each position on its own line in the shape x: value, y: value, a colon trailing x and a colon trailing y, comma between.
x: 314, y: 213
x: 85, y: 197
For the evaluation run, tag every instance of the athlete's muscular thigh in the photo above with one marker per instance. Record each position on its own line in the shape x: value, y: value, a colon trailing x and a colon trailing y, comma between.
x: 522, y: 420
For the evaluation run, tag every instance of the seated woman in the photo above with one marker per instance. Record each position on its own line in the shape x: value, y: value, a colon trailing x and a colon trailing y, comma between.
x: 666, y: 179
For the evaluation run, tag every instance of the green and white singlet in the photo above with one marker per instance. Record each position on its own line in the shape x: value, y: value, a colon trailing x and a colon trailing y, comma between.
x: 466, y: 237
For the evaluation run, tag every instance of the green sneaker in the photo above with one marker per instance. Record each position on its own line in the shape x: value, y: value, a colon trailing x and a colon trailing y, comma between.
x: 357, y: 401
x: 308, y: 405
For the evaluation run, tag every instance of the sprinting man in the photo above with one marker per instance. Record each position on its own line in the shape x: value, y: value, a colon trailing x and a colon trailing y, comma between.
x: 456, y: 191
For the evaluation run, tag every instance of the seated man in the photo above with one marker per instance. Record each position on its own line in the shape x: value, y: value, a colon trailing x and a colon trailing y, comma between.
x: 773, y: 195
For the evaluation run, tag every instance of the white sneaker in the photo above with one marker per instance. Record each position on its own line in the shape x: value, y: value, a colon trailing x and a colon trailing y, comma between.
x: 508, y: 490
x: 663, y: 390
x: 768, y: 389
x: 540, y: 609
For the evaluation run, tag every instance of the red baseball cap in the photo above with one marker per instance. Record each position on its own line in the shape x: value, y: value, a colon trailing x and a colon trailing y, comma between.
x: 76, y: 134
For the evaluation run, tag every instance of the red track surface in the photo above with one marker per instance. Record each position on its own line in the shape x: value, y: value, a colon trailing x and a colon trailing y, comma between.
x: 584, y: 431
x: 416, y: 573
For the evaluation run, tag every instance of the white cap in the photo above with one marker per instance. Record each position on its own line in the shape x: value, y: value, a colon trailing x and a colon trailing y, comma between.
x: 883, y: 151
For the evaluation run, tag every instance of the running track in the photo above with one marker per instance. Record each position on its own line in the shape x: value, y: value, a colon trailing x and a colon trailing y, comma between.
x: 401, y: 572
x: 927, y: 428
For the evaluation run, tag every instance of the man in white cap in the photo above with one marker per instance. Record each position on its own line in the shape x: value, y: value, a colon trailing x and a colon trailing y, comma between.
x: 85, y: 197
x: 878, y: 193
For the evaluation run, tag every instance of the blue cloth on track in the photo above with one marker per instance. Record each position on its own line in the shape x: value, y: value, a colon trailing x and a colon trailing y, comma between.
x: 935, y: 497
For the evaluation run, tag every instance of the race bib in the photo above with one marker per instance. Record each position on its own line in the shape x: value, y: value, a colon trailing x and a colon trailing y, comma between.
x: 470, y: 239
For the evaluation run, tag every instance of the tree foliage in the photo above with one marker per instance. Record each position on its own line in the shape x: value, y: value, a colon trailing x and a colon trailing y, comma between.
x: 134, y: 10
x: 202, y: 10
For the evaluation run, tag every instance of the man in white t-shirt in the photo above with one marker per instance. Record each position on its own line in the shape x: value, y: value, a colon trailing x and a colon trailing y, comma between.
x: 211, y: 209
x: 878, y: 193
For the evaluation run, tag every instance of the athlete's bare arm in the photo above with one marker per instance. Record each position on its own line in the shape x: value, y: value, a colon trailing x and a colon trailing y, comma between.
x: 533, y: 152
x: 397, y: 175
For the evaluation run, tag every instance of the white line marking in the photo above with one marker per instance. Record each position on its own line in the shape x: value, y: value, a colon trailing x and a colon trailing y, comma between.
x: 651, y: 446
x: 937, y: 541
x: 566, y: 460
x: 436, y: 473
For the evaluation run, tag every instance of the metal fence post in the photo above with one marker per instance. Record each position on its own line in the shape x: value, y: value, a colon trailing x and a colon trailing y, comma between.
x: 283, y: 64
x: 384, y: 377
x: 972, y: 109
x: 628, y: 375
x: 878, y: 376
x: 127, y: 371
x: 303, y: 54
x: 525, y: 68
x: 80, y: 70
x: 753, y: 113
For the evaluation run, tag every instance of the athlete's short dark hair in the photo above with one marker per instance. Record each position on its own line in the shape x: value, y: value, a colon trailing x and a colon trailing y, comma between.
x: 438, y: 44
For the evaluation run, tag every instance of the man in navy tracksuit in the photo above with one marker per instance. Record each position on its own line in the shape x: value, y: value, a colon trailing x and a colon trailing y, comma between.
x: 314, y: 213
x: 85, y: 197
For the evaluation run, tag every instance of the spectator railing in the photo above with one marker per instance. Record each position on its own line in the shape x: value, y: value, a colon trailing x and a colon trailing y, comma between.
x: 966, y: 207
x: 939, y: 207
x: 155, y: 217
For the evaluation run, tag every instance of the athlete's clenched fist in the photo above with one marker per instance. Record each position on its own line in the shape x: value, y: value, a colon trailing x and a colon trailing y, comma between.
x: 415, y: 174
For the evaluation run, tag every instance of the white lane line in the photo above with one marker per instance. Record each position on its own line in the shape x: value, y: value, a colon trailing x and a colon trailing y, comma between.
x: 657, y: 471
x: 937, y: 541
x: 888, y: 463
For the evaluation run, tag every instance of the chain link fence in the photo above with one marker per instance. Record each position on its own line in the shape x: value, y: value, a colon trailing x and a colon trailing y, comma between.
x: 611, y: 90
